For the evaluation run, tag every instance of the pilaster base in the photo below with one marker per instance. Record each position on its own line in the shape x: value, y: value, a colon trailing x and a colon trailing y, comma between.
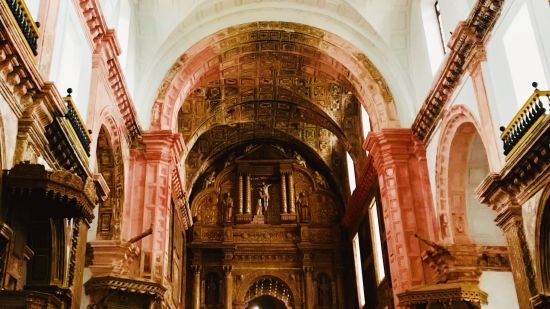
x: 258, y: 219
x: 540, y: 301
x: 243, y: 218
x: 288, y: 218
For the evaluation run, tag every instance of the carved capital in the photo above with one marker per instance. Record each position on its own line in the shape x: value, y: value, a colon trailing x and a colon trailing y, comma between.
x: 196, y: 269
x: 227, y: 269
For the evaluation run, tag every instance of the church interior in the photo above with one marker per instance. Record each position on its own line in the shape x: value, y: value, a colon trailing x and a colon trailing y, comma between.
x: 274, y: 154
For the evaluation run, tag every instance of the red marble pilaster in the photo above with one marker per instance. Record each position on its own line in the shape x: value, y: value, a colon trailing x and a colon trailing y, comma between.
x: 150, y: 183
x: 400, y: 162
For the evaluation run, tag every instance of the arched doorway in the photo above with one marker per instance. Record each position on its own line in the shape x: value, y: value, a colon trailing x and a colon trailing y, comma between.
x: 269, y: 293
x: 109, y: 164
x: 544, y: 245
x: 266, y: 302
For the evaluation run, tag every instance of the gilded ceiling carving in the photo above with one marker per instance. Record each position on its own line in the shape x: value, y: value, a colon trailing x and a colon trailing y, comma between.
x: 254, y: 61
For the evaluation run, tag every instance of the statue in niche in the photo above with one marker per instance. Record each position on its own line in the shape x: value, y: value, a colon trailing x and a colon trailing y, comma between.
x: 302, y: 204
x: 300, y: 159
x: 228, y: 203
x: 459, y: 223
x: 263, y: 191
x: 444, y: 224
x: 259, y: 208
x: 320, y: 180
x: 212, y: 290
x: 281, y: 149
x: 324, y: 291
x: 229, y: 160
x: 210, y: 180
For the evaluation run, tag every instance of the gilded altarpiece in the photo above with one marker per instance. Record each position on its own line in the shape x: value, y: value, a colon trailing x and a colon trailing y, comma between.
x: 263, y: 214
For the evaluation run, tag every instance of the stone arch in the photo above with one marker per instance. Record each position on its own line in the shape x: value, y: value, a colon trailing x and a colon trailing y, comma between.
x: 270, y: 286
x: 370, y: 86
x: 110, y: 164
x: 460, y: 141
x: 288, y: 278
x: 542, y: 242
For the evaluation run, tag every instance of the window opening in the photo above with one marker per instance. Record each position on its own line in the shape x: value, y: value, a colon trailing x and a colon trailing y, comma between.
x: 437, y: 10
x: 376, y: 242
x: 358, y: 271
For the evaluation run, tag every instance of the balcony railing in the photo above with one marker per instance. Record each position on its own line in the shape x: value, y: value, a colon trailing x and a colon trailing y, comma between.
x: 526, y: 119
x: 76, y: 122
x: 26, y: 24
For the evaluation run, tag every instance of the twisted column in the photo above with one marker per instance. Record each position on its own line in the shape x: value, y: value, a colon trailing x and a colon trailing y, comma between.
x: 241, y: 204
x: 310, y: 297
x: 291, y: 193
x: 228, y: 286
x: 248, y: 195
x: 283, y: 193
x: 196, y: 286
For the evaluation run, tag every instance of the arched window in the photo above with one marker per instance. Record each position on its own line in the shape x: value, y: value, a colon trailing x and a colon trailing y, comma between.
x: 358, y: 271
x: 376, y: 242
x: 437, y: 11
x: 351, y: 172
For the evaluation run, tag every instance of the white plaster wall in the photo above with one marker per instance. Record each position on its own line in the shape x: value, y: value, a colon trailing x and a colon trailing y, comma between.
x: 420, y: 52
x: 453, y: 12
x: 34, y: 7
x: 431, y: 159
x: 529, y: 215
x: 8, y: 134
x: 500, y: 289
x: 504, y: 101
x: 72, y: 57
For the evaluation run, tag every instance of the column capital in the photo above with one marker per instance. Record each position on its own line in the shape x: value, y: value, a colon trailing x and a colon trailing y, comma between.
x: 307, y: 269
x: 393, y: 145
x: 161, y: 142
x: 196, y: 269
x: 227, y: 269
x: 476, y: 57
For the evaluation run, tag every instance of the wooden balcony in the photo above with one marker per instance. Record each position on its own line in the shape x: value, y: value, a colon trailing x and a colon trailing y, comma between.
x: 76, y: 122
x: 526, y: 121
x: 23, y: 18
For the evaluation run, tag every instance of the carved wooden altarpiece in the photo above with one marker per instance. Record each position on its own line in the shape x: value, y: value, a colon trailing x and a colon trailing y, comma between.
x: 263, y: 214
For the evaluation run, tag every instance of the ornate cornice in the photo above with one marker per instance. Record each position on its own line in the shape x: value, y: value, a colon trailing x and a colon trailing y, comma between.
x: 468, y: 37
x: 443, y: 293
x: 62, y: 192
x: 126, y: 285
x: 104, y: 41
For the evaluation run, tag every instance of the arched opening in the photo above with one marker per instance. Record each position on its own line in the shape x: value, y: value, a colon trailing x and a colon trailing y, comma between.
x: 466, y: 219
x: 269, y: 292
x: 109, y: 164
x: 266, y: 302
x: 544, y: 245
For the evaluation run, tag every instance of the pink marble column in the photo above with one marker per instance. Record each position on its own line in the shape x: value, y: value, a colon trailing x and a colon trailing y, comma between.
x: 494, y: 155
x: 400, y: 161
x: 149, y: 186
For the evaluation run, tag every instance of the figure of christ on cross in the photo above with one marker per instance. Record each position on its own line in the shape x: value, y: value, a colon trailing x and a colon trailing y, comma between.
x: 263, y: 191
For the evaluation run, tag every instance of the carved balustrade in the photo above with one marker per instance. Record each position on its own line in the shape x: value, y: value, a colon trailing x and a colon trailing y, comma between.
x: 69, y: 140
x: 76, y: 122
x: 527, y: 119
x: 23, y: 18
